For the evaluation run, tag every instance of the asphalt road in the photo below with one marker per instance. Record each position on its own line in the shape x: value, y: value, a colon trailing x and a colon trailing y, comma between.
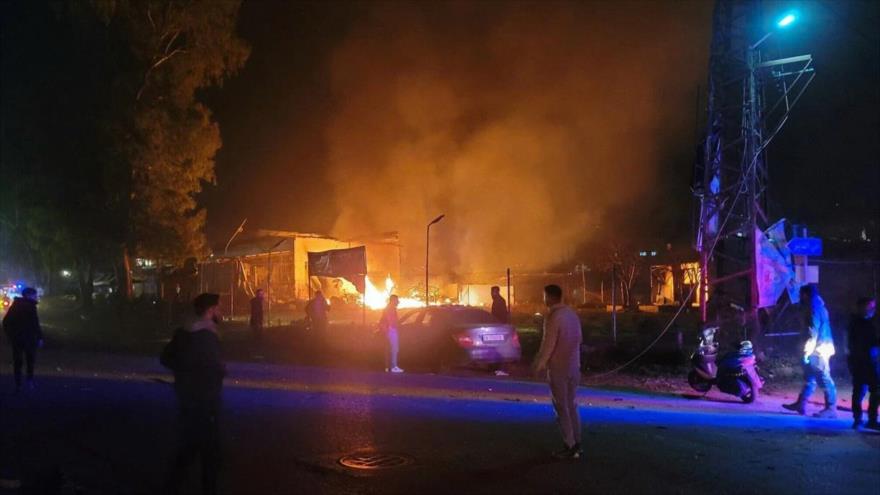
x: 105, y: 424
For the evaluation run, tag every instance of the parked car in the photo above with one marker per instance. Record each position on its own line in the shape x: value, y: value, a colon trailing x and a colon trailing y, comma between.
x: 456, y: 335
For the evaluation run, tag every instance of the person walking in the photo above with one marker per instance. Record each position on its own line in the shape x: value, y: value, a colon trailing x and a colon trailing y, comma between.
x: 316, y: 310
x: 22, y: 327
x: 818, y: 349
x: 559, y: 361
x: 257, y: 314
x: 388, y: 326
x: 863, y: 359
x: 194, y: 356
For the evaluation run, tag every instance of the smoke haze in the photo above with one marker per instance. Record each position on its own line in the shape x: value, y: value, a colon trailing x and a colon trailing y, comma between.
x: 524, y: 124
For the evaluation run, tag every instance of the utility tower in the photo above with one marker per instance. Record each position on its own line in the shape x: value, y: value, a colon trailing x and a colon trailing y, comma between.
x: 731, y: 175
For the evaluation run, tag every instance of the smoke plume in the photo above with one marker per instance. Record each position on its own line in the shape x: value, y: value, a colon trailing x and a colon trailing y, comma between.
x: 523, y: 123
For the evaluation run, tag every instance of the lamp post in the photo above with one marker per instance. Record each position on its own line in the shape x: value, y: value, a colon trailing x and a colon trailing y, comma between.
x: 428, y: 253
x: 234, y: 273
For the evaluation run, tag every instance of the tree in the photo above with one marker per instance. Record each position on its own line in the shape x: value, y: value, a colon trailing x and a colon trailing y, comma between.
x: 625, y: 265
x: 166, y: 137
x: 104, y: 116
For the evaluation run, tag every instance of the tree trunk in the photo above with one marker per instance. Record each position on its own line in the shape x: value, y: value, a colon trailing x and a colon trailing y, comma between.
x: 86, y: 275
x: 124, y: 281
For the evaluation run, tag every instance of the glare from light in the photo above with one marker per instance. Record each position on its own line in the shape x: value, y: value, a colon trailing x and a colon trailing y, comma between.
x: 786, y: 21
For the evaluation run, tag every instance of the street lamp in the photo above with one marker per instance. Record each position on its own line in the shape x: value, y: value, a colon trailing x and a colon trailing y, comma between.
x: 233, y: 273
x: 239, y: 230
x: 787, y: 20
x: 784, y: 22
x: 428, y: 252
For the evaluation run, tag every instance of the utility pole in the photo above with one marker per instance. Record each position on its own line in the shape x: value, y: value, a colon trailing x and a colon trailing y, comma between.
x: 731, y: 173
x: 428, y: 255
x: 614, y: 302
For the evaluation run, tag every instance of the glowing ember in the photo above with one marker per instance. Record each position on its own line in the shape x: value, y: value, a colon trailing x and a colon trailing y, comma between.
x: 378, y: 298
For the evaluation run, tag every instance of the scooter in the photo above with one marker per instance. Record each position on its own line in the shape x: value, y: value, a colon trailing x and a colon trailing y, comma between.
x: 735, y: 374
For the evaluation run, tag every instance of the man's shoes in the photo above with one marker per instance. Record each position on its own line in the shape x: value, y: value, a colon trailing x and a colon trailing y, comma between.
x: 396, y: 370
x: 856, y: 424
x: 827, y: 413
x: 873, y: 425
x: 573, y: 452
x: 797, y: 407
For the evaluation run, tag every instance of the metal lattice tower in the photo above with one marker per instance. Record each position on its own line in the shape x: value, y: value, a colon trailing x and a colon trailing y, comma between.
x: 731, y: 177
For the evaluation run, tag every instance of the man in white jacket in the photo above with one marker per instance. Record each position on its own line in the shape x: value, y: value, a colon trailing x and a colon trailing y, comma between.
x: 559, y: 360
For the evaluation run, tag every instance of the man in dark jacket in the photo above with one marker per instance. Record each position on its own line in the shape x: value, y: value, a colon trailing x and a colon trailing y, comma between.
x: 862, y: 358
x: 22, y: 327
x: 194, y: 356
x: 257, y: 314
x: 499, y: 306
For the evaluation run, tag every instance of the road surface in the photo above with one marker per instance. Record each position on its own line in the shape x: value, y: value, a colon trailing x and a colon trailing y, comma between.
x: 105, y: 424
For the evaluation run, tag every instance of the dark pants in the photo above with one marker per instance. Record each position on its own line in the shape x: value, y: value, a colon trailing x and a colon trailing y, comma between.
x: 257, y: 330
x: 861, y: 385
x: 20, y: 355
x: 199, y: 439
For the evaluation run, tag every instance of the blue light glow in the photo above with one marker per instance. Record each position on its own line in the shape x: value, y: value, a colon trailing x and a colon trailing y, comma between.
x: 786, y: 21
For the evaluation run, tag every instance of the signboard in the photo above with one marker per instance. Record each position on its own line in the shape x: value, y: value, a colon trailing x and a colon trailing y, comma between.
x: 350, y: 264
x: 806, y: 246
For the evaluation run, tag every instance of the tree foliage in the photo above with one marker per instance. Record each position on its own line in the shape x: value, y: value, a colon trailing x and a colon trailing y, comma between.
x: 116, y: 132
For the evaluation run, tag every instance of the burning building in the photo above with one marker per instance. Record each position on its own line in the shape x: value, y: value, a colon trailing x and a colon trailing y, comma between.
x: 278, y: 262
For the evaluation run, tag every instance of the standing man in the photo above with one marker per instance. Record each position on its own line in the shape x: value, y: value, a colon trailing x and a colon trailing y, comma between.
x: 559, y: 360
x: 257, y: 314
x: 388, y: 326
x: 22, y: 328
x: 499, y: 306
x: 499, y: 311
x: 194, y: 357
x: 818, y: 349
x: 317, y: 310
x: 862, y: 358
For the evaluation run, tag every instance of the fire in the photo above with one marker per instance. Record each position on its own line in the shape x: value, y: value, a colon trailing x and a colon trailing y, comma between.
x: 378, y: 298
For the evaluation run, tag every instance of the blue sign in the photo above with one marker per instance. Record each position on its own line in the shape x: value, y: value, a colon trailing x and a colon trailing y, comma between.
x: 806, y: 246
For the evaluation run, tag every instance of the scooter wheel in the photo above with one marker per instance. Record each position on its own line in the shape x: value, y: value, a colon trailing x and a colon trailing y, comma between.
x: 698, y: 383
x: 752, y: 394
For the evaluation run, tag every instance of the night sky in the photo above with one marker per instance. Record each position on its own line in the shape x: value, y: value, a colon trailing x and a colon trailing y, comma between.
x: 592, y: 102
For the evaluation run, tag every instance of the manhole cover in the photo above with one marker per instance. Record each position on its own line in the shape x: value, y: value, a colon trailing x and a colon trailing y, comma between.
x: 374, y: 461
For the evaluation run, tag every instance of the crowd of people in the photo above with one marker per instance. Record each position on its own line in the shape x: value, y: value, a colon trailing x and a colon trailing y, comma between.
x: 194, y: 356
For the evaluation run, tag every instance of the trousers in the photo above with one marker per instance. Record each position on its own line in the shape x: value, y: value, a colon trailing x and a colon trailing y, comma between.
x: 20, y: 356
x: 822, y: 376
x: 392, y: 347
x: 862, y: 385
x: 563, y: 388
x: 199, y: 440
